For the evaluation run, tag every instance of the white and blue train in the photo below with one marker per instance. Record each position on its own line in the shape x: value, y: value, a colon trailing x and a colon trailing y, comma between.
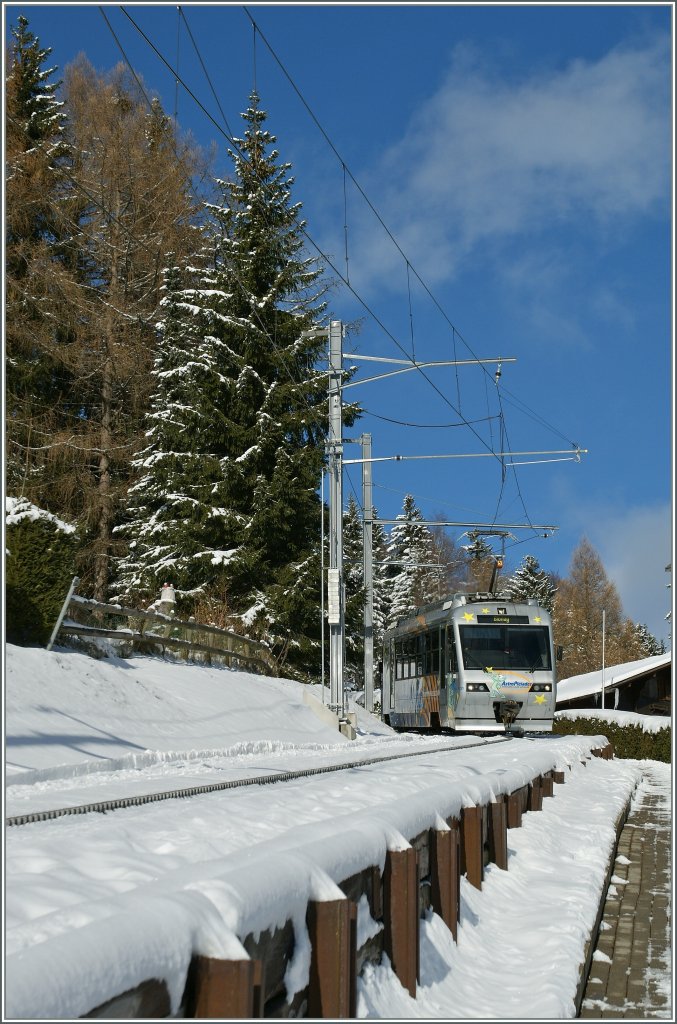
x: 471, y: 664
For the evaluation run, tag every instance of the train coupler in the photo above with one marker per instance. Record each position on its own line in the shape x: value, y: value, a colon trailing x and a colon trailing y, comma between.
x: 506, y: 711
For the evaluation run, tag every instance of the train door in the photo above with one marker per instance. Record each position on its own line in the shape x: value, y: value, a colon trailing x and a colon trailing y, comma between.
x: 439, y: 666
x: 388, y: 682
x: 451, y: 675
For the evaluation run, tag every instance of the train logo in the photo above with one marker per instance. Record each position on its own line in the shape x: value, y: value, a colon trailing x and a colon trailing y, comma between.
x: 512, y: 687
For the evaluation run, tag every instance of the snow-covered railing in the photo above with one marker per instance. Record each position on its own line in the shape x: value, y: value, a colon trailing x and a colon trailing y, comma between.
x: 374, y: 913
x: 148, y: 629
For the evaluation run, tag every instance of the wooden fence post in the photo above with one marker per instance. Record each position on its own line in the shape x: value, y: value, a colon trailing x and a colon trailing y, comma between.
x: 224, y: 988
x: 472, y: 844
x: 445, y: 875
x: 455, y: 832
x: 547, y: 787
x: 535, y: 795
x: 515, y: 809
x: 400, y: 918
x: 332, y: 925
x: 498, y: 833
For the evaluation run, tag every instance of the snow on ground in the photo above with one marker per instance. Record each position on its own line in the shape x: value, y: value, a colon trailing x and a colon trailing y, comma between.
x: 98, y: 903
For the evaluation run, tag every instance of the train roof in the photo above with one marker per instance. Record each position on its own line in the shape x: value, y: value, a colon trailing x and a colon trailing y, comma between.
x: 429, y: 614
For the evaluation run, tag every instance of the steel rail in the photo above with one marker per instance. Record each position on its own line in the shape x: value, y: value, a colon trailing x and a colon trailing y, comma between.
x: 103, y: 806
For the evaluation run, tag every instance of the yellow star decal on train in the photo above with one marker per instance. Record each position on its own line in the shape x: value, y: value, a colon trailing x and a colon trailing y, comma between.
x: 540, y: 699
x: 537, y: 618
x: 485, y: 611
x: 468, y: 616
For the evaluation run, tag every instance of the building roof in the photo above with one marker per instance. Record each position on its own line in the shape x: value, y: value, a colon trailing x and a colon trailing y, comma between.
x: 614, y: 675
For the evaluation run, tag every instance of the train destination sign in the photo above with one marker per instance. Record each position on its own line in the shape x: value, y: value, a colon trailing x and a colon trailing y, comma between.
x: 515, y: 620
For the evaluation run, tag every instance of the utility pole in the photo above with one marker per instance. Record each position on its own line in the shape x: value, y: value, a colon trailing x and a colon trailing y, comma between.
x: 603, y: 656
x: 335, y: 576
x: 335, y: 588
x: 368, y: 573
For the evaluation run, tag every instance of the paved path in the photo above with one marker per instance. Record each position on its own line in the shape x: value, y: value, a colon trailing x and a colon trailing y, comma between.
x: 631, y: 968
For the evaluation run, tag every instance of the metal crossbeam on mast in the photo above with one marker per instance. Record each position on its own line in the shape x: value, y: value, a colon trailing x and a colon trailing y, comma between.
x: 335, y: 577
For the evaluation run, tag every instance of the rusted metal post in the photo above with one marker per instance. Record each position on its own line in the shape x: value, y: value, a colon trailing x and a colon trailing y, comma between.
x: 333, y: 935
x: 400, y: 897
x: 498, y: 833
x: 224, y: 988
x: 473, y: 845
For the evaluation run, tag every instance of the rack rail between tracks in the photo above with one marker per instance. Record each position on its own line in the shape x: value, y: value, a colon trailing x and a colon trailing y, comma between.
x: 104, y: 806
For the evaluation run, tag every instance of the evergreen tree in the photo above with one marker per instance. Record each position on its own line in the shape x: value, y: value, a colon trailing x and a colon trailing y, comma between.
x: 37, y: 273
x: 414, y: 580
x: 382, y: 583
x: 174, y: 514
x: 647, y: 642
x: 530, y: 581
x: 355, y: 593
x: 40, y: 551
x: 248, y: 308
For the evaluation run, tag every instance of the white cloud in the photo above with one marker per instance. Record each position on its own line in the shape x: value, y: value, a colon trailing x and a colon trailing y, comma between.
x: 489, y: 159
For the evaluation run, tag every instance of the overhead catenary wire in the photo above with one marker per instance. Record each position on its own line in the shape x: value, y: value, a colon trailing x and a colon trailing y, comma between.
x: 302, y: 229
x: 178, y: 45
x: 427, y: 426
x: 325, y: 257
x: 454, y: 329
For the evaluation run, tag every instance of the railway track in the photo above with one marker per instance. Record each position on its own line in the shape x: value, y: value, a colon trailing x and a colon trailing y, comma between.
x: 104, y: 806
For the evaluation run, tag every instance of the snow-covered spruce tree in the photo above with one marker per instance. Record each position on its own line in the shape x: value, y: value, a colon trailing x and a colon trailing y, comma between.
x: 414, y: 581
x: 530, y: 581
x: 355, y: 593
x: 252, y: 299
x: 174, y: 520
x: 382, y: 584
x: 647, y: 642
x: 40, y: 551
x: 381, y: 594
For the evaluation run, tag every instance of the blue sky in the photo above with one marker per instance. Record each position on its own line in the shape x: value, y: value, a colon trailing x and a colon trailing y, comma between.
x: 520, y: 156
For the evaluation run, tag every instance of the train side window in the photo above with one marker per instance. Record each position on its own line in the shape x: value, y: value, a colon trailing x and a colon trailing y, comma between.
x: 435, y: 652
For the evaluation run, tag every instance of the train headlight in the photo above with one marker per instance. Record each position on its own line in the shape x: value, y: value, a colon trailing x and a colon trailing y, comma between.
x: 541, y: 688
x: 476, y: 688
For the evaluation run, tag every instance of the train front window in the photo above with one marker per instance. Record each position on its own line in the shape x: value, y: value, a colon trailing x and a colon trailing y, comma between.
x: 505, y: 647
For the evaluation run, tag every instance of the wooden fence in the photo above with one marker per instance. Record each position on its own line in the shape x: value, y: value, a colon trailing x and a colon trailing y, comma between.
x: 151, y: 632
x: 425, y: 875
